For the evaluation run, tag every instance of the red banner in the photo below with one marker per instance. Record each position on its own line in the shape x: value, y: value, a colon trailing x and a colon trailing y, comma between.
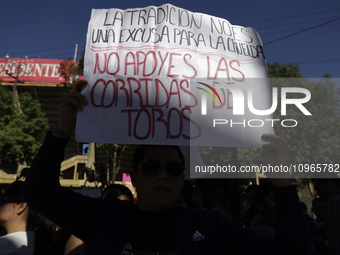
x: 32, y: 70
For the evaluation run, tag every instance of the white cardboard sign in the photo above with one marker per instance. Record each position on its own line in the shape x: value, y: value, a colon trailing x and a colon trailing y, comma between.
x: 140, y: 64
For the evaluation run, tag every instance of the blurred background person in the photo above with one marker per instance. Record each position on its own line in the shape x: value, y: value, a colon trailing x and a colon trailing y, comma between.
x: 117, y: 191
x: 329, y: 191
x: 318, y: 228
x: 264, y: 222
x: 212, y: 193
x: 251, y: 211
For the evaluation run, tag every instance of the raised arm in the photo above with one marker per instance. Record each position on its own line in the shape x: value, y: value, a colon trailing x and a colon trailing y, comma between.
x: 42, y: 190
x: 70, y: 105
x: 291, y: 231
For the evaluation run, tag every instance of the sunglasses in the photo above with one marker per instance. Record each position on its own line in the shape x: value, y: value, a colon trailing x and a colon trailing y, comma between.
x: 151, y: 167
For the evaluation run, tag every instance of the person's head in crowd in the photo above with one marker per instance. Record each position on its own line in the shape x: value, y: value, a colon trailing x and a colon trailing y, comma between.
x: 158, y: 175
x: 117, y: 191
x: 213, y: 193
x: 325, y: 188
x: 14, y: 212
x: 265, y: 200
x: 318, y: 208
x: 249, y: 195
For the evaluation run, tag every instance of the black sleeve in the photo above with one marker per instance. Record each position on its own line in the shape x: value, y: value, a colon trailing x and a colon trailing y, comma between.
x: 69, y: 210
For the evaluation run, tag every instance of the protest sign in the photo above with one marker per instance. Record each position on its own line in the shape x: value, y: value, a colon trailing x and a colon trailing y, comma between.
x: 142, y: 65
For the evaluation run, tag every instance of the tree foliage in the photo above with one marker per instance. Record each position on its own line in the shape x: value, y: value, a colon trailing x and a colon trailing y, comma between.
x: 276, y: 70
x: 21, y: 134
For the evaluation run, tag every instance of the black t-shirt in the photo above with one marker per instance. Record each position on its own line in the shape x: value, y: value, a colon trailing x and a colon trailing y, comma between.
x: 152, y: 233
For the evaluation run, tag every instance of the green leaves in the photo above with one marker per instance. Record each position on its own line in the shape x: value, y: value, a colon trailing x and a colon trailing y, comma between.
x: 290, y: 70
x: 21, y: 134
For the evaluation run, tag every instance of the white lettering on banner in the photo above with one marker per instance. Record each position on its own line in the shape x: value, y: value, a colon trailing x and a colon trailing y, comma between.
x: 2, y: 73
x: 38, y: 70
x: 32, y: 70
x: 47, y: 70
x: 28, y: 69
x: 55, y: 71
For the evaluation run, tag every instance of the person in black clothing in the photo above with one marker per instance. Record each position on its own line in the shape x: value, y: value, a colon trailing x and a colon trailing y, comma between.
x: 250, y: 214
x: 318, y: 227
x: 75, y: 246
x: 157, y: 225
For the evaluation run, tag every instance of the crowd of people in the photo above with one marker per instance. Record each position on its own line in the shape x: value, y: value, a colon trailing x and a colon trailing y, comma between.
x: 323, y: 229
x: 24, y: 231
x: 41, y: 217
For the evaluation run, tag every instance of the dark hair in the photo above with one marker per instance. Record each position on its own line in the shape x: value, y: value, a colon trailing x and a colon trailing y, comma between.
x: 14, y: 191
x: 217, y: 193
x: 115, y: 191
x: 46, y: 236
x: 141, y: 149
